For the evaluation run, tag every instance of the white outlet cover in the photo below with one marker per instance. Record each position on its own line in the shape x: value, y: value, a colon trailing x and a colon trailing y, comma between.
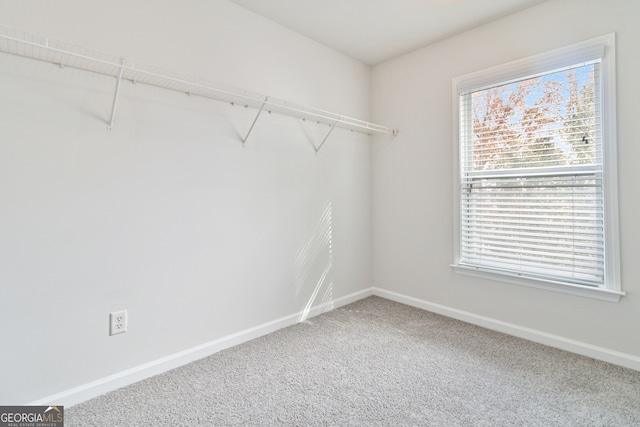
x: 118, y: 322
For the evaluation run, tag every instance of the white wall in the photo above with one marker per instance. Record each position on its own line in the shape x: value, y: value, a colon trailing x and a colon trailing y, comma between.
x: 412, y: 175
x: 166, y: 215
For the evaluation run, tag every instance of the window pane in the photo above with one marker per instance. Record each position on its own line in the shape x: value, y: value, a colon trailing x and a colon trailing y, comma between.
x: 545, y: 121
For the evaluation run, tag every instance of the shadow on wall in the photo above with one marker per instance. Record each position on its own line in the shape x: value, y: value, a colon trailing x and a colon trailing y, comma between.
x: 313, y: 267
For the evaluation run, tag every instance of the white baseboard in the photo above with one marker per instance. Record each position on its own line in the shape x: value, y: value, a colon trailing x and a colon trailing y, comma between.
x: 121, y: 379
x: 584, y: 349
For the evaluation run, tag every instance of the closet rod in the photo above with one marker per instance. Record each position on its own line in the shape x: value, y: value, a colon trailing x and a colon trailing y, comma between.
x: 34, y: 46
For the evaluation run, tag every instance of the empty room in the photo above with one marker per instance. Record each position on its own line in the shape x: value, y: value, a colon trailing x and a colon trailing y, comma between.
x: 339, y: 212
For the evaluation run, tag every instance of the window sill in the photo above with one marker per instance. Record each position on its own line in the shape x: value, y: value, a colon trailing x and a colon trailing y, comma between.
x: 580, y: 290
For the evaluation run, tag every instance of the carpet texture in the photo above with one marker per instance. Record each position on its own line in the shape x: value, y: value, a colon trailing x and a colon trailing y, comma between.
x: 377, y: 363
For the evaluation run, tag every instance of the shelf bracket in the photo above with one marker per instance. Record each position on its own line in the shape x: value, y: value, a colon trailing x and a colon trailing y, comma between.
x: 327, y: 135
x: 115, y: 95
x: 255, y: 120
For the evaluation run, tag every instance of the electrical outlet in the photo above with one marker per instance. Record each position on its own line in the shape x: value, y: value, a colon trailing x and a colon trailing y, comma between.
x: 118, y: 322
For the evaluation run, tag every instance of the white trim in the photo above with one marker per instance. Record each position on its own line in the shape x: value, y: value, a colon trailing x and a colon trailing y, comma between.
x: 603, y: 294
x: 113, y: 382
x: 610, y: 165
x: 121, y: 379
x: 584, y: 52
x: 596, y: 352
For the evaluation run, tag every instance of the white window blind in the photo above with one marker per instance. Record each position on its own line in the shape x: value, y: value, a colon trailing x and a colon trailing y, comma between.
x: 536, y: 172
x: 531, y: 177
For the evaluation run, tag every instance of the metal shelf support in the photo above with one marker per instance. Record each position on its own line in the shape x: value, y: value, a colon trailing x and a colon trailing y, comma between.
x: 254, y: 121
x: 115, y: 95
x: 327, y: 136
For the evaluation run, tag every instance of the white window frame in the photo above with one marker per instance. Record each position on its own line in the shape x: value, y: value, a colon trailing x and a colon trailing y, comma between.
x: 602, y: 48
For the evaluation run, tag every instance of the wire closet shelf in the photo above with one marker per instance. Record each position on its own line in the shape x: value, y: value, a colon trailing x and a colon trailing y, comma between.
x: 34, y: 46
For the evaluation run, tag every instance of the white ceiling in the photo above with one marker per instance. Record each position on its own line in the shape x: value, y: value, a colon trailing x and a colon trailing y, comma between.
x: 373, y: 31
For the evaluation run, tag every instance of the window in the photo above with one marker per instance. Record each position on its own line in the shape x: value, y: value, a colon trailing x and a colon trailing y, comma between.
x: 536, y: 171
